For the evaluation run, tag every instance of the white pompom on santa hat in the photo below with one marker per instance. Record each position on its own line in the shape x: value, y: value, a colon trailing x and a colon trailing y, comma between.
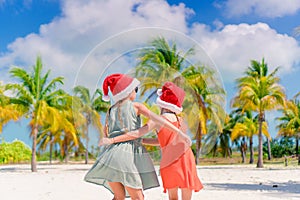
x: 170, y: 97
x: 120, y: 85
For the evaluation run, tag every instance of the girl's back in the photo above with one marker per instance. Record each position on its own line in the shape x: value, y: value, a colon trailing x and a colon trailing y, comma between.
x: 122, y: 118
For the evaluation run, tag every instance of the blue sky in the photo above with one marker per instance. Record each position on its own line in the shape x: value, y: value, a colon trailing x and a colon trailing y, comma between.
x: 65, y: 32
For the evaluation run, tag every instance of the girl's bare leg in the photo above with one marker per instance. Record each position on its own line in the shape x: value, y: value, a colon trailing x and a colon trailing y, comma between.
x: 118, y: 189
x: 173, y: 194
x: 186, y: 194
x: 135, y: 194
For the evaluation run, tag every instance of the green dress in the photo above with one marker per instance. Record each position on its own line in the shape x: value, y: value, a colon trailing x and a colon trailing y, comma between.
x: 126, y: 162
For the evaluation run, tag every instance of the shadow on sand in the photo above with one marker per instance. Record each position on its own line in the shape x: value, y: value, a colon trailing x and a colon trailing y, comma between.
x: 283, y: 187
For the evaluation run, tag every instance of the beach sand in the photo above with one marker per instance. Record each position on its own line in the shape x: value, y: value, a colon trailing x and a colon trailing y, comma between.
x: 232, y: 182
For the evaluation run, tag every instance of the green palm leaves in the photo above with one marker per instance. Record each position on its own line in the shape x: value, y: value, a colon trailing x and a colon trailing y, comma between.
x: 91, y: 106
x: 62, y: 119
x: 289, y: 122
x: 205, y: 100
x: 259, y: 92
x: 35, y: 92
x: 159, y: 63
x: 8, y: 111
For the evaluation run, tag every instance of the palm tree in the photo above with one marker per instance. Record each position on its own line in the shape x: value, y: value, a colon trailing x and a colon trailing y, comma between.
x: 163, y: 63
x: 248, y: 127
x: 218, y: 142
x: 159, y: 64
x: 210, y: 99
x: 290, y: 122
x: 259, y: 92
x: 237, y: 116
x: 225, y: 140
x: 8, y: 111
x: 92, y: 105
x: 60, y: 123
x: 33, y: 92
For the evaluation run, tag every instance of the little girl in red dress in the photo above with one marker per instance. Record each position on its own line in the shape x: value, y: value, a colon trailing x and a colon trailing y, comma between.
x: 177, y: 166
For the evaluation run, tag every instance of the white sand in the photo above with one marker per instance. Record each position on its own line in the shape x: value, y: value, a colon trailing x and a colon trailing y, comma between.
x: 65, y: 182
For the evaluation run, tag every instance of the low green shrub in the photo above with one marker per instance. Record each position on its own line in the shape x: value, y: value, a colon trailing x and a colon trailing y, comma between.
x: 14, y: 152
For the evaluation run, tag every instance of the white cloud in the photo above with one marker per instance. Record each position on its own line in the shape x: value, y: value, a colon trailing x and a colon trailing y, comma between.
x: 234, y: 46
x: 265, y: 8
x: 91, y: 35
x: 65, y: 42
x: 106, y: 30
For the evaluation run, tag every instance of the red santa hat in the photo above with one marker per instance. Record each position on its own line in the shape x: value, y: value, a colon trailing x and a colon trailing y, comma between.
x: 120, y: 85
x: 170, y: 97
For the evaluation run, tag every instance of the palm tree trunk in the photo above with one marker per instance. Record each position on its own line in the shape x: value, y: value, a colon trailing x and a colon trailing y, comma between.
x: 229, y: 152
x: 66, y: 150
x: 260, y: 143
x: 51, y: 149
x: 55, y: 151
x: 297, y: 146
x: 215, y: 149
x: 88, y: 122
x: 243, y: 150
x: 87, y: 147
x: 297, y: 149
x: 242, y: 153
x: 199, y: 130
x: 251, y: 150
x: 33, y: 152
x: 269, y: 149
x: 198, y: 142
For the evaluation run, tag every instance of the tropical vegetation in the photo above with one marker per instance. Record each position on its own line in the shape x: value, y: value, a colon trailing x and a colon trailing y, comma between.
x: 60, y: 121
x: 14, y: 152
x: 91, y: 107
x: 259, y: 91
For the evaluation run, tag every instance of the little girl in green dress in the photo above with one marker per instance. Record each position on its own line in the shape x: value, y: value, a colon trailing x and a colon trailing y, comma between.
x: 124, y: 168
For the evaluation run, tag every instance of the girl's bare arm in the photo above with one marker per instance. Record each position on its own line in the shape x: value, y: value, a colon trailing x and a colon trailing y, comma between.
x: 162, y: 122
x: 151, y: 141
x: 155, y: 122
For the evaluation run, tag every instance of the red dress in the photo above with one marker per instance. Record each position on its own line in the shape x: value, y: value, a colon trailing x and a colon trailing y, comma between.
x: 178, y: 167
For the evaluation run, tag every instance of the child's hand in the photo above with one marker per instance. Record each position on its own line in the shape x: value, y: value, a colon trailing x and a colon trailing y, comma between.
x: 105, y: 141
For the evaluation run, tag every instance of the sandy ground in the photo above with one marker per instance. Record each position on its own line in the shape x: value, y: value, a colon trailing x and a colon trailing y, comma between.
x: 65, y: 182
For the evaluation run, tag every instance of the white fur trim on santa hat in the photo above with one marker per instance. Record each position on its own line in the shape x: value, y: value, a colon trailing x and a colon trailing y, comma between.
x: 124, y: 93
x: 106, y: 98
x: 167, y: 105
x: 159, y: 92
